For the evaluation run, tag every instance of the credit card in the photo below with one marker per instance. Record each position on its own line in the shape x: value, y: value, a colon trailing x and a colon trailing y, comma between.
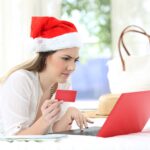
x: 66, y: 95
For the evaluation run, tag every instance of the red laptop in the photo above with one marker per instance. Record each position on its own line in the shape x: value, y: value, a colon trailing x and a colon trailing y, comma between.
x: 129, y: 115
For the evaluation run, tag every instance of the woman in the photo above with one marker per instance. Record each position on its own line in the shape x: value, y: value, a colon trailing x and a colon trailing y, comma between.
x: 27, y: 96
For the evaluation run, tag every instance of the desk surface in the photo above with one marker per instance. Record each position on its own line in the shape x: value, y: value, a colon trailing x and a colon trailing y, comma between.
x: 135, y: 141
x: 138, y: 141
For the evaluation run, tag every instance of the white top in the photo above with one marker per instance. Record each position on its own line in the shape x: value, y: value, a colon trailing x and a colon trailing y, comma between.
x: 19, y: 100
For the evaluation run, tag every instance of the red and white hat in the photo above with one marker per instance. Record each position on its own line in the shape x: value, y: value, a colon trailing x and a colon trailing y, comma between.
x: 50, y: 34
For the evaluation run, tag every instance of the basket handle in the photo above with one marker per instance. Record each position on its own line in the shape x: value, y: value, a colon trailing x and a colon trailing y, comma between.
x: 131, y: 28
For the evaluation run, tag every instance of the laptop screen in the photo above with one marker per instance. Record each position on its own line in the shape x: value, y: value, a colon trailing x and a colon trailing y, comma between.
x: 129, y: 115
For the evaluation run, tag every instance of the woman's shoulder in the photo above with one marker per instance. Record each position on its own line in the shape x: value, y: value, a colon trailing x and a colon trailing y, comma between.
x: 23, y: 74
x: 21, y: 77
x: 20, y: 80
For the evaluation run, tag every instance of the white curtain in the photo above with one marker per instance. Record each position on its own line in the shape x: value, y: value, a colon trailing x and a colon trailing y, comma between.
x: 15, y: 20
x: 131, y: 12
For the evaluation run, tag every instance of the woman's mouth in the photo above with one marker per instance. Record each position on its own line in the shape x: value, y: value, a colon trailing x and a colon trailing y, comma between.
x: 66, y: 74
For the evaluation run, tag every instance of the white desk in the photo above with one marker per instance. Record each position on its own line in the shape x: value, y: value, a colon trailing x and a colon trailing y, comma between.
x: 137, y: 141
x: 130, y: 142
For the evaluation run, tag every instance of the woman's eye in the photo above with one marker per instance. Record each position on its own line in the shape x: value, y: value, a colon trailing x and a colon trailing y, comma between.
x: 65, y: 58
x: 77, y: 60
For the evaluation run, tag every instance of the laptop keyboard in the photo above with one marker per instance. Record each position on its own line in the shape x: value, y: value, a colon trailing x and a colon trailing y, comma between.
x: 91, y: 131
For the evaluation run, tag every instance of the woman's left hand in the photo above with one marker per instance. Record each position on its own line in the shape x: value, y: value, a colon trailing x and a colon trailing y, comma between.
x: 74, y: 114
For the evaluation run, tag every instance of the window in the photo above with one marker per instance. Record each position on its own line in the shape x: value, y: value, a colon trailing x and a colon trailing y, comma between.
x: 92, y: 17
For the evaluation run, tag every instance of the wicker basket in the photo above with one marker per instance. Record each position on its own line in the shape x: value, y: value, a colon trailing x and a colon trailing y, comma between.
x: 106, y: 104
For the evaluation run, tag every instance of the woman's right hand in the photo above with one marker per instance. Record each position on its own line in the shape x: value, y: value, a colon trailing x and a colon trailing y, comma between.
x: 50, y: 110
x: 49, y: 114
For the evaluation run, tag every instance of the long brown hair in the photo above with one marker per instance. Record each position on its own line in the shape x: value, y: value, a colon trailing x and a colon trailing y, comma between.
x: 36, y: 64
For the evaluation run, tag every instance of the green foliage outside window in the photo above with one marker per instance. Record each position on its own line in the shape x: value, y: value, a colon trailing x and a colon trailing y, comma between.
x: 95, y: 15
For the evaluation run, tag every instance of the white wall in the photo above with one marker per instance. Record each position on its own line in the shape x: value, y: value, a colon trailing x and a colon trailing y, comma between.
x: 127, y: 12
x: 15, y: 19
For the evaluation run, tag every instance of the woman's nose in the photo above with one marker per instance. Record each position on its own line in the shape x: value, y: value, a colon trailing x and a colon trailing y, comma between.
x: 71, y: 67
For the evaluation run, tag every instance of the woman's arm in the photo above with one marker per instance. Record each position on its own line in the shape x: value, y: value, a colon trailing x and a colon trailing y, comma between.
x: 63, y: 124
x: 50, y: 112
x: 66, y: 120
x: 38, y: 128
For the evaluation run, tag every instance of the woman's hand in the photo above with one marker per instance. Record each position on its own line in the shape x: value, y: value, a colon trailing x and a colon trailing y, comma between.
x: 74, y: 114
x: 50, y: 110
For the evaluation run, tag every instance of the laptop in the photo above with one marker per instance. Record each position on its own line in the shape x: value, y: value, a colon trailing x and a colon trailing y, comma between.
x: 129, y: 115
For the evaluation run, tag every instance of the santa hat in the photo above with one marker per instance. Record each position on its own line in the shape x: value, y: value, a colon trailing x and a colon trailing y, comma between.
x: 50, y: 34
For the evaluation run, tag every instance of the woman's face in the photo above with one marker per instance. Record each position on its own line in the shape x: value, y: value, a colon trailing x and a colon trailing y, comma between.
x: 61, y: 64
